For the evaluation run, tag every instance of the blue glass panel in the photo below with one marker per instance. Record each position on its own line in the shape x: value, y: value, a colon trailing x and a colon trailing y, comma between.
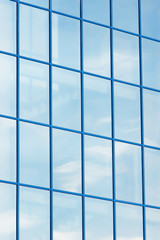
x: 96, y: 49
x: 67, y: 217
x: 126, y: 57
x: 97, y: 105
x: 152, y: 223
x: 34, y: 91
x: 71, y: 7
x: 41, y: 3
x: 34, y: 154
x: 98, y: 166
x: 99, y: 219
x: 127, y: 112
x: 34, y: 33
x: 7, y: 85
x: 66, y: 41
x: 66, y: 87
x: 66, y: 160
x: 34, y: 214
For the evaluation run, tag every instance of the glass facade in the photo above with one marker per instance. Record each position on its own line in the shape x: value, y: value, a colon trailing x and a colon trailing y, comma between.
x: 79, y: 120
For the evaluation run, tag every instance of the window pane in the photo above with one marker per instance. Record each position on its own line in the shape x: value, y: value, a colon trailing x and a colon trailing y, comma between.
x: 66, y: 41
x: 67, y: 217
x: 96, y: 49
x: 150, y: 18
x: 66, y: 98
x: 34, y: 33
x: 7, y: 149
x: 98, y: 166
x: 8, y: 85
x: 97, y: 105
x: 34, y: 214
x: 151, y: 63
x: 128, y: 172
x: 125, y: 15
x: 98, y: 11
x: 41, y: 3
x: 152, y: 176
x: 34, y: 91
x: 67, y: 160
x: 153, y: 223
x: 71, y: 7
x: 127, y: 112
x: 126, y: 57
x: 8, y: 26
x: 99, y: 219
x: 129, y: 222
x: 151, y: 118
x: 34, y: 154
x: 8, y: 212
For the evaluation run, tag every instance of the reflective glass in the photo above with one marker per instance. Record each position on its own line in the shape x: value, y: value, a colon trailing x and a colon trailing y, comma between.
x: 128, y: 172
x: 96, y: 49
x: 127, y: 112
x: 7, y: 85
x: 99, y: 219
x: 66, y: 41
x: 129, y: 222
x: 152, y: 224
x: 125, y: 15
x: 41, y: 3
x: 34, y: 154
x: 8, y: 26
x: 34, y: 214
x: 151, y: 63
x: 34, y: 33
x: 151, y: 118
x: 67, y: 217
x: 71, y: 7
x: 7, y: 212
x: 97, y: 105
x: 7, y: 149
x: 126, y: 57
x: 34, y: 91
x: 66, y: 96
x: 152, y: 176
x: 67, y: 160
x: 97, y: 11
x: 150, y: 18
x: 98, y: 166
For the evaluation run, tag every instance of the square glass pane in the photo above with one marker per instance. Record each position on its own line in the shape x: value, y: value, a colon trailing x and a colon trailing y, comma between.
x: 97, y: 11
x: 66, y: 160
x: 8, y: 26
x: 126, y: 57
x: 7, y: 85
x: 34, y: 32
x: 152, y: 176
x: 99, y: 219
x: 7, y: 149
x: 66, y: 41
x: 34, y: 154
x: 127, y: 112
x: 98, y: 166
x: 129, y: 222
x: 67, y: 217
x: 41, y: 3
x: 34, y: 91
x: 96, y: 49
x: 128, y: 172
x: 150, y: 18
x: 34, y: 214
x: 97, y: 105
x: 71, y: 7
x: 151, y: 118
x: 125, y: 15
x: 152, y: 223
x: 7, y: 212
x: 66, y: 98
x: 151, y: 63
